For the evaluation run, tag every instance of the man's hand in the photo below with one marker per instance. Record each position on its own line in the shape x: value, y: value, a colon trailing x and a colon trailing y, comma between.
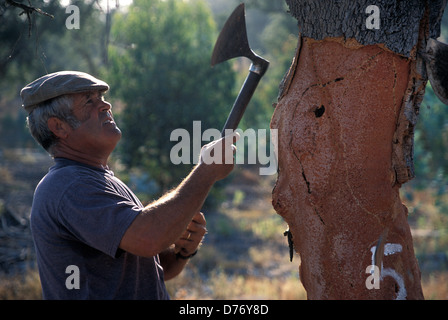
x: 217, y: 156
x: 192, y: 237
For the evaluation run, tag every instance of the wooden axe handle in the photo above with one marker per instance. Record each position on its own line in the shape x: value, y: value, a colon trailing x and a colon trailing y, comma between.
x: 241, y: 102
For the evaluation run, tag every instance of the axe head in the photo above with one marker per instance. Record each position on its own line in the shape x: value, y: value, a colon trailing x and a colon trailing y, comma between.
x: 232, y: 42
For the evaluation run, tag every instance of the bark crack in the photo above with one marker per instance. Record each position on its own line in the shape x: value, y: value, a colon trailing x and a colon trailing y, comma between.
x: 308, y: 186
x: 306, y: 181
x: 322, y: 85
x: 319, y: 216
x: 394, y: 86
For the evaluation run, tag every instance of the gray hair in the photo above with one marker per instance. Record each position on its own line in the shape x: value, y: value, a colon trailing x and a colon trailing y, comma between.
x: 60, y: 107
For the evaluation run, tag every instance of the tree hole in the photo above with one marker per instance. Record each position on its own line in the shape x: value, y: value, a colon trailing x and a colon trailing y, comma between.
x: 319, y: 112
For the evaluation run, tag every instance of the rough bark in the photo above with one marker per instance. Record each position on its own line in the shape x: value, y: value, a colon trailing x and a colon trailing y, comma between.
x: 345, y: 118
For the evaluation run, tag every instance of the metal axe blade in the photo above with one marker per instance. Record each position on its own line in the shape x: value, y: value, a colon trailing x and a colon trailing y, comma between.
x: 232, y: 42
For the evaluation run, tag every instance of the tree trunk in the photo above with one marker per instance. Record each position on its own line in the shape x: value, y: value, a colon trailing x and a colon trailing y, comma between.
x: 345, y: 117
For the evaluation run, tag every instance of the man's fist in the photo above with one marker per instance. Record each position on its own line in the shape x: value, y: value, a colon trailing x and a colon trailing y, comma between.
x: 191, y: 239
x: 218, y: 155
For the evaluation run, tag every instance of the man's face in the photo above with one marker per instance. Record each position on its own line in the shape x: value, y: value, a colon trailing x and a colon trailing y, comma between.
x: 98, y: 131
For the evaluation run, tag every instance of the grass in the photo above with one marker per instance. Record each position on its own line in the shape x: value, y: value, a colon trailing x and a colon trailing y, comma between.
x: 237, y: 287
x: 218, y: 285
x: 21, y: 287
x: 435, y: 286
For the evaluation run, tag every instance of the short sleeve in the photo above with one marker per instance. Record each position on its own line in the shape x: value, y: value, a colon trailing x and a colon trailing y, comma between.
x: 97, y: 213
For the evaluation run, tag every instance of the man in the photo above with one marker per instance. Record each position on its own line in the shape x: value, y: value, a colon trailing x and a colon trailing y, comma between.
x: 93, y: 237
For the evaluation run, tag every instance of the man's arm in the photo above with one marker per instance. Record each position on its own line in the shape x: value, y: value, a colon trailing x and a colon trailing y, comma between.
x: 163, y: 222
x: 171, y: 265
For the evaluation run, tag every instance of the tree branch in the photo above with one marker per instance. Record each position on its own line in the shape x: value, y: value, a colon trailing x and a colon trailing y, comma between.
x: 28, y: 10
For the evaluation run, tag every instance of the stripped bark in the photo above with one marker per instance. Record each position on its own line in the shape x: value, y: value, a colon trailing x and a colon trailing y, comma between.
x: 345, y: 117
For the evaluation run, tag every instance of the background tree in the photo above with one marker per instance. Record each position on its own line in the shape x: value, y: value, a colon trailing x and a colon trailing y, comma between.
x: 273, y: 33
x: 49, y: 47
x: 53, y: 47
x: 159, y: 66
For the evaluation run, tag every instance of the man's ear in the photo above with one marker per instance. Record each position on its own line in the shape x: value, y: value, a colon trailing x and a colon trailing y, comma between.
x: 59, y: 128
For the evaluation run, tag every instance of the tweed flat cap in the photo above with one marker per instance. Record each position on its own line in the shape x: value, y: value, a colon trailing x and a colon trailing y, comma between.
x: 56, y: 84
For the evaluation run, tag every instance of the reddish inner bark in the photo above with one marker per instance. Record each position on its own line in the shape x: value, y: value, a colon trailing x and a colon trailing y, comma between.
x: 336, y: 185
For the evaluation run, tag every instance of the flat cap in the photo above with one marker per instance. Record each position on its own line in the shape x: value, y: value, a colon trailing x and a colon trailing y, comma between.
x: 56, y: 84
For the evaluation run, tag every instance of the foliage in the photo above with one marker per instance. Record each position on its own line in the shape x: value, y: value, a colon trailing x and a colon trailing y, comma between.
x: 278, y: 40
x: 48, y: 48
x: 431, y: 138
x: 159, y: 67
x: 17, y: 42
x: 272, y: 33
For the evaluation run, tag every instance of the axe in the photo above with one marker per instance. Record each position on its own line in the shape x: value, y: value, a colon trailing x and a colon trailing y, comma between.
x: 232, y: 42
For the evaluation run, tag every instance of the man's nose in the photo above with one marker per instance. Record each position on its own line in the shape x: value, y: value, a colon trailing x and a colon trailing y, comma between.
x: 105, y: 106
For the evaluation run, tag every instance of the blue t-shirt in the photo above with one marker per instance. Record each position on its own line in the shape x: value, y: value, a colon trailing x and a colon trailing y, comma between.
x: 78, y: 217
